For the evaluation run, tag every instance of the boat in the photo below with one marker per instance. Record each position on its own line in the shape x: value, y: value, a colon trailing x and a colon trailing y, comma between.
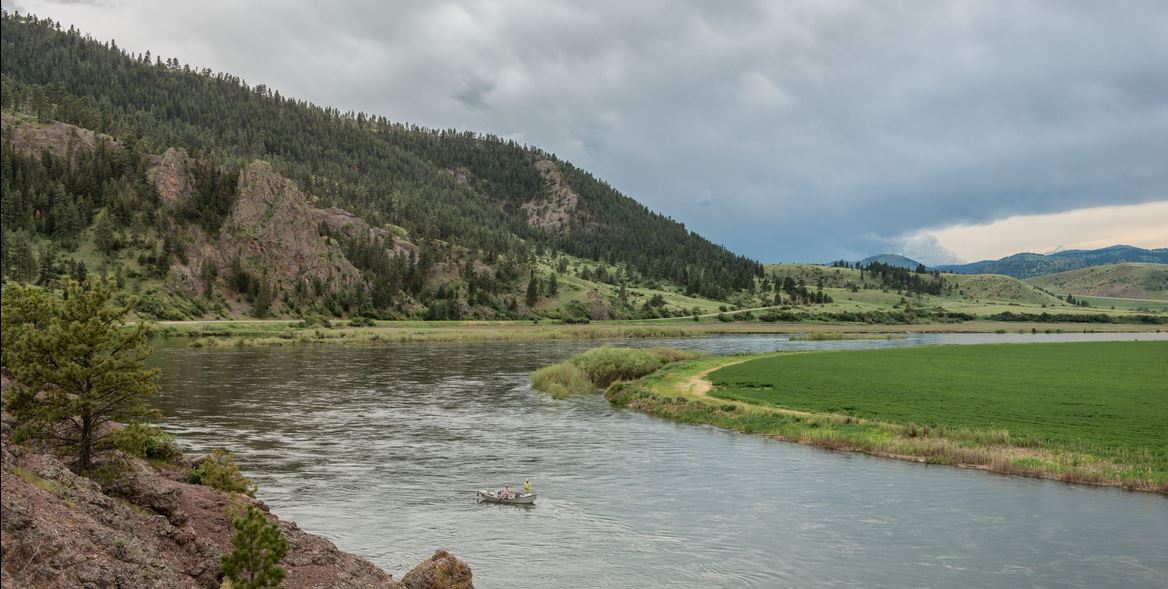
x: 515, y: 499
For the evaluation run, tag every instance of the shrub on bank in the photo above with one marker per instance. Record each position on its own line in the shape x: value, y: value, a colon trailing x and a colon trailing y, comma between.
x: 561, y: 380
x: 600, y: 367
x: 146, y: 441
x: 218, y: 471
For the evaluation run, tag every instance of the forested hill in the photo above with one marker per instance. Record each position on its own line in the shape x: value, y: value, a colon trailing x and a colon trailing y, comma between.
x: 478, y: 192
x: 1027, y: 265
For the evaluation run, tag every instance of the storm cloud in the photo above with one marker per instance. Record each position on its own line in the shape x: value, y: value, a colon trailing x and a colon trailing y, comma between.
x: 797, y: 130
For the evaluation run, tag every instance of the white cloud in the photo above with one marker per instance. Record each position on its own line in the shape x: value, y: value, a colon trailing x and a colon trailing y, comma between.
x: 1143, y: 225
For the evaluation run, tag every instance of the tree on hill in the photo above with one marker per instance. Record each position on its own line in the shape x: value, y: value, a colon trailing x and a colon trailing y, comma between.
x: 532, y: 290
x: 77, y: 363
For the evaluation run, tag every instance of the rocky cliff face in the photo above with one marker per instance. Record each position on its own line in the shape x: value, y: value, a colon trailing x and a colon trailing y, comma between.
x: 274, y: 233
x: 149, y: 528
x: 171, y: 175
x: 553, y: 213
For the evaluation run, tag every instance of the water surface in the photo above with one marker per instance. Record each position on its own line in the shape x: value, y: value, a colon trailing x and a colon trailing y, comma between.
x: 380, y: 449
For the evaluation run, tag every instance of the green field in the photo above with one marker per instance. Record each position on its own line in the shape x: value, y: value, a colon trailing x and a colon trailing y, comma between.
x: 1107, y: 399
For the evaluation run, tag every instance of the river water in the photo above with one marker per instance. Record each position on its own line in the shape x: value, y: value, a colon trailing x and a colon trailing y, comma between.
x: 380, y: 449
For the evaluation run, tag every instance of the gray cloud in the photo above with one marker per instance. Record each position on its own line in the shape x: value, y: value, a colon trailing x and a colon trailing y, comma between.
x: 826, y: 129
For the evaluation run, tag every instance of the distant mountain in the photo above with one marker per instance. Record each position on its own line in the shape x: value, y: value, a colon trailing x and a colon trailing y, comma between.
x: 893, y: 260
x: 1027, y: 265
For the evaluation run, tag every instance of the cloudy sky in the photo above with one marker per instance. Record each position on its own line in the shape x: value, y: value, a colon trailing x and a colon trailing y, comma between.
x: 802, y: 130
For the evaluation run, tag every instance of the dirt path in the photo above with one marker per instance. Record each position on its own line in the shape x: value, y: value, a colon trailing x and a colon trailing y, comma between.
x: 697, y: 384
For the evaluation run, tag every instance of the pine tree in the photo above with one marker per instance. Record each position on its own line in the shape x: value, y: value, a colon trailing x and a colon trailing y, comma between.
x: 258, y: 547
x: 553, y: 285
x: 263, y: 299
x: 103, y: 234
x: 532, y: 290
x: 82, y: 358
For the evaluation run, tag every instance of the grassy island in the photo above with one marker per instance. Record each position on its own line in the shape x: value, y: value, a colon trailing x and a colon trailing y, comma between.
x: 1077, y: 412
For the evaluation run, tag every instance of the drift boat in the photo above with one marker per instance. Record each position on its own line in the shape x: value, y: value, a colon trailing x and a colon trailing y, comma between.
x: 515, y: 499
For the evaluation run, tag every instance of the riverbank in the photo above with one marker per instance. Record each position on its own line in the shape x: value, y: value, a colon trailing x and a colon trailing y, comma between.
x: 237, y: 333
x: 746, y: 394
x: 146, y: 526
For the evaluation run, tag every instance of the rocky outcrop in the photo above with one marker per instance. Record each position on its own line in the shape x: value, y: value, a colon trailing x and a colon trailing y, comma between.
x: 342, y: 222
x: 273, y: 232
x: 31, y: 137
x: 554, y: 212
x: 148, y: 528
x: 441, y: 571
x: 171, y: 175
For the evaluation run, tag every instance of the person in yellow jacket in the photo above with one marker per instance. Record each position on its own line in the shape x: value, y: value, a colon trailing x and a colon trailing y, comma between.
x: 527, y: 487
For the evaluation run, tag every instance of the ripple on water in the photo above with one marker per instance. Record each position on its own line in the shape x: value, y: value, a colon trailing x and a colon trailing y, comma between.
x: 381, y: 449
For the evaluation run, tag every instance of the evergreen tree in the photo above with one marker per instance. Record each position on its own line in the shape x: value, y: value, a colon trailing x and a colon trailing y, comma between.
x: 258, y: 546
x: 532, y: 290
x: 19, y: 262
x: 553, y: 285
x: 103, y: 234
x: 78, y: 364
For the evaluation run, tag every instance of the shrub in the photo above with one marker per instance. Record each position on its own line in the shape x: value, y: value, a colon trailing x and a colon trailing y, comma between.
x: 600, y: 367
x: 218, y: 471
x: 560, y: 380
x: 605, y: 365
x: 258, y: 547
x: 145, y: 441
x: 360, y: 322
x: 670, y: 355
x: 313, y: 321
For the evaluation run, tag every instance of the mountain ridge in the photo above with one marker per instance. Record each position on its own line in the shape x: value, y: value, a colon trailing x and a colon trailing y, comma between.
x: 463, y: 199
x: 1028, y: 264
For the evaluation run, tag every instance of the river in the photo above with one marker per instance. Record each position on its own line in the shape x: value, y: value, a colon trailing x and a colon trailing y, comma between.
x: 380, y: 449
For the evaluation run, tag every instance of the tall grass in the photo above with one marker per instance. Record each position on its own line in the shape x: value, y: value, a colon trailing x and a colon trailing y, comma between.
x: 561, y: 380
x: 599, y: 367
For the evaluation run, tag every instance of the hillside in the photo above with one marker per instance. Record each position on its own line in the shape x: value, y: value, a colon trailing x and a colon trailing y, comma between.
x: 1027, y: 265
x: 176, y: 162
x: 1127, y: 281
x: 893, y: 260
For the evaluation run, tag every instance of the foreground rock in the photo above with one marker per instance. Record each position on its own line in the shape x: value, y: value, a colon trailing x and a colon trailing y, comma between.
x: 148, y: 528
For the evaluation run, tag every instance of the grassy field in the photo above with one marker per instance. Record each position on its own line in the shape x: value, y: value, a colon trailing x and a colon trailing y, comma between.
x: 1106, y: 398
x: 1138, y: 305
x: 1078, y: 412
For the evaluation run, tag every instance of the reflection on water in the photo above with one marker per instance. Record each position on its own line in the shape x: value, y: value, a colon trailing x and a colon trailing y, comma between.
x: 381, y: 449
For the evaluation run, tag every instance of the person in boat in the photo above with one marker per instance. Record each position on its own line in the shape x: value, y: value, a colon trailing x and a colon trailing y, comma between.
x: 527, y: 487
x: 506, y: 493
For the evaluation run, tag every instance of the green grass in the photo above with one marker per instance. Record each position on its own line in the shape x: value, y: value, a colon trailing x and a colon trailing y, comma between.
x: 1080, y: 413
x: 37, y: 480
x: 1138, y: 305
x: 1130, y: 280
x: 1106, y: 399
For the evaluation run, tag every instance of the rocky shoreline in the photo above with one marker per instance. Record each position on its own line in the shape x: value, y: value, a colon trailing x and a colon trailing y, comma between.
x: 148, y: 527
